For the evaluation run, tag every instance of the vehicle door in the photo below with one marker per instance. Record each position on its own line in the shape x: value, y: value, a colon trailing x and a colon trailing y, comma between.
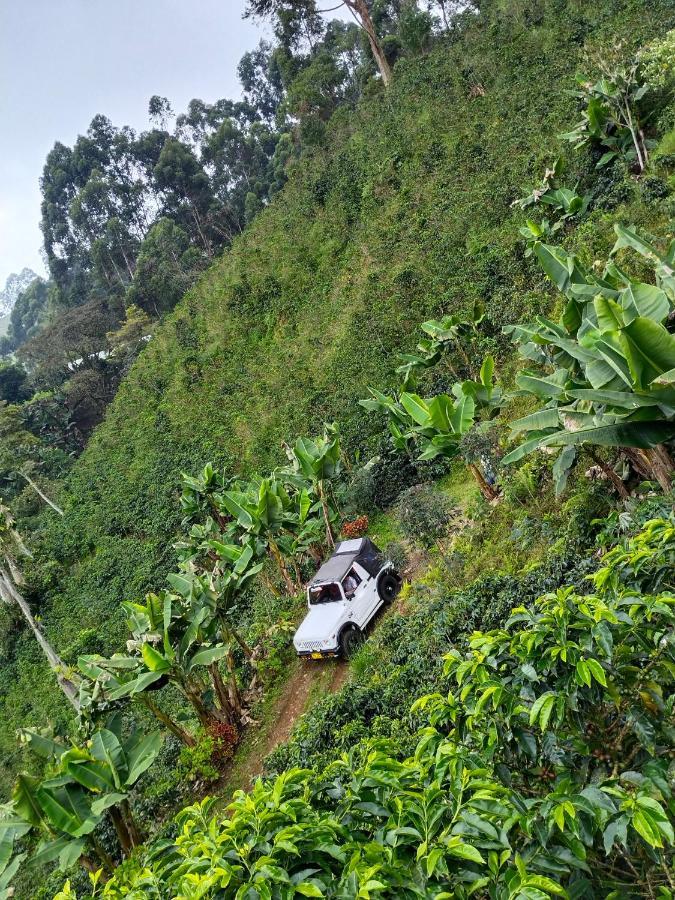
x: 364, y: 598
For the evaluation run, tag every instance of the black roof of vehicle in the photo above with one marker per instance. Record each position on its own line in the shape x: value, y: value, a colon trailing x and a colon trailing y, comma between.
x: 361, y: 550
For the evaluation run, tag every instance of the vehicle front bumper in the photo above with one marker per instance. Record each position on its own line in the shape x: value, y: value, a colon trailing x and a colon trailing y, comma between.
x: 318, y: 654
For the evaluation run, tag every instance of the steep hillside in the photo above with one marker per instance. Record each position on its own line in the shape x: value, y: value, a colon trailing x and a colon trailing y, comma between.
x: 406, y: 213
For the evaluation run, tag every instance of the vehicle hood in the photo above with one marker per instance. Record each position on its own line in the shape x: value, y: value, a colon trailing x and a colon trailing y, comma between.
x: 320, y: 622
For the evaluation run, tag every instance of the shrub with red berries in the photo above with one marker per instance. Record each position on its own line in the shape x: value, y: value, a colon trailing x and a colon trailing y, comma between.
x: 225, y: 738
x: 355, y: 529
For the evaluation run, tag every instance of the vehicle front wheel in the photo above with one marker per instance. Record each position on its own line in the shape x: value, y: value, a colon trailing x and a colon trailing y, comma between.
x: 388, y: 587
x: 350, y: 641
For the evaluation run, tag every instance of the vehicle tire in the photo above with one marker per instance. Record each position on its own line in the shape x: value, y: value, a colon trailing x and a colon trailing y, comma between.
x: 350, y: 641
x: 388, y: 587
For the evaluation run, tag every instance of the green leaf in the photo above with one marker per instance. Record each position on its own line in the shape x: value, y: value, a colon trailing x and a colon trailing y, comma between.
x: 66, y: 808
x: 615, y: 831
x: 47, y: 851
x: 647, y: 828
x: 463, y: 415
x: 153, y: 659
x: 537, y: 421
x: 645, y: 300
x: 307, y: 889
x: 416, y: 408
x: 465, y: 851
x: 487, y: 371
x: 207, y: 656
x: 597, y: 671
x: 583, y: 673
x: 134, y: 686
x: 235, y: 504
x: 25, y: 799
x: 545, y: 388
x: 180, y: 583
x: 522, y: 450
x: 623, y: 434
x: 562, y: 467
x: 106, y: 748
x: 142, y: 756
x: 609, y: 314
x: 649, y: 349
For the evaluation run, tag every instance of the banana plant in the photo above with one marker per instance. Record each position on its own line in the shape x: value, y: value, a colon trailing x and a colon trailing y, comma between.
x: 605, y: 372
x: 435, y: 426
x: 63, y: 810
x: 174, y: 637
x: 263, y: 511
x: 614, y: 114
x: 444, y: 336
x: 318, y: 461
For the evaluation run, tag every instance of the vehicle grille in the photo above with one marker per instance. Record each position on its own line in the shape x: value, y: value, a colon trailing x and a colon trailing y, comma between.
x: 311, y: 645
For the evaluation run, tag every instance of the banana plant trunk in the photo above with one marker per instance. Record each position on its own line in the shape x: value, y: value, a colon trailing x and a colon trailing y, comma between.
x: 134, y: 831
x: 610, y: 474
x: 662, y: 466
x: 486, y: 489
x: 281, y: 565
x: 184, y: 736
x: 330, y: 540
x: 121, y: 830
x: 207, y: 717
x: 222, y: 694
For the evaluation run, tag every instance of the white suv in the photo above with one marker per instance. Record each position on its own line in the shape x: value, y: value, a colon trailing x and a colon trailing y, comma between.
x: 343, y: 597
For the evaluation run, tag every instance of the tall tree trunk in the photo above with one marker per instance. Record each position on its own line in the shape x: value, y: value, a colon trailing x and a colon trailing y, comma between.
x: 41, y: 494
x: 486, y: 489
x: 181, y: 733
x: 359, y: 9
x: 10, y: 594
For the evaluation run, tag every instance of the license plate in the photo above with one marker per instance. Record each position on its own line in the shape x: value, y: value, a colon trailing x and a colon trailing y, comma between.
x: 316, y: 655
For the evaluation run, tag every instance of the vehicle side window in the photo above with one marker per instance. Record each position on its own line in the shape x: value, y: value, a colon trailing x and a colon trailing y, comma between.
x: 350, y: 583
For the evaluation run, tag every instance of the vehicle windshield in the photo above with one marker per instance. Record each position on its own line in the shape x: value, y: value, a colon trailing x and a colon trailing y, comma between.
x: 324, y: 593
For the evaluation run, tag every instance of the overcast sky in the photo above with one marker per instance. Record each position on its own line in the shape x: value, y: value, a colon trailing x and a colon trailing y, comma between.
x: 63, y: 61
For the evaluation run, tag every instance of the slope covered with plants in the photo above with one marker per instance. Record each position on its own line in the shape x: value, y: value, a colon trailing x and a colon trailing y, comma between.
x: 409, y: 212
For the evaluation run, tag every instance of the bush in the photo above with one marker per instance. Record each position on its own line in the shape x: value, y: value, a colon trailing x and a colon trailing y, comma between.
x: 543, y: 770
x: 425, y: 514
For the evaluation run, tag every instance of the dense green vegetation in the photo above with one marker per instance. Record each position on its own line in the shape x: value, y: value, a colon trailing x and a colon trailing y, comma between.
x: 405, y: 212
x: 521, y: 785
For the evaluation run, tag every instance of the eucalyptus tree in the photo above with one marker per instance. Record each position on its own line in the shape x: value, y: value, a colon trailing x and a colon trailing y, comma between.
x: 605, y: 372
x: 306, y: 10
x: 12, y: 549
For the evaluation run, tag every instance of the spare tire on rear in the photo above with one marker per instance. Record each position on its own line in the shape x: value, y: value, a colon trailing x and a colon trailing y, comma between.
x: 388, y: 586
